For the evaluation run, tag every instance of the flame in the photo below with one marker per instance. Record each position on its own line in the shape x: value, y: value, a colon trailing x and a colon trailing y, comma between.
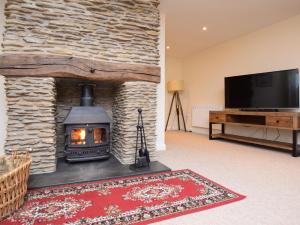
x: 82, y: 134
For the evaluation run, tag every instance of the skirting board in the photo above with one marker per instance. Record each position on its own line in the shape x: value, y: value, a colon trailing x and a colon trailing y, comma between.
x: 200, y: 130
x: 161, y: 146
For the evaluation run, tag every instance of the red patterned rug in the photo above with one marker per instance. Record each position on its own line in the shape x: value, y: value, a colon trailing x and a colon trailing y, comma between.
x: 134, y: 200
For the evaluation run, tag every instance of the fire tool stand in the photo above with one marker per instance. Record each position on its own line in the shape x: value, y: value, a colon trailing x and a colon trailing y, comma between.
x: 142, y: 157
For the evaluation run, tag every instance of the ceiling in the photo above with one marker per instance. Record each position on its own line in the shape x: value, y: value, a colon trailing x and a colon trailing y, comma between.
x: 224, y: 19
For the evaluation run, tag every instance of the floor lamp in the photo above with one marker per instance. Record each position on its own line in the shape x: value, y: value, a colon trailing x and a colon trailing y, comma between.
x: 175, y: 86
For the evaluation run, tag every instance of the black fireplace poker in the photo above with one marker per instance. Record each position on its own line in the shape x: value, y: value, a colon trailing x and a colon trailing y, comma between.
x: 142, y: 156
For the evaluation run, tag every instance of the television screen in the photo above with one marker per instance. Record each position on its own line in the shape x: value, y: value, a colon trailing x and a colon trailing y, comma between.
x: 271, y: 90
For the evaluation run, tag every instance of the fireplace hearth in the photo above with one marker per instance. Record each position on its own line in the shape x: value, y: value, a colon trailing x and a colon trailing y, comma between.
x: 87, y: 130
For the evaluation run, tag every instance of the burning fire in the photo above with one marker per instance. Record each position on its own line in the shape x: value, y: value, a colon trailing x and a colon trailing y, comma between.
x: 82, y: 134
x: 78, y: 136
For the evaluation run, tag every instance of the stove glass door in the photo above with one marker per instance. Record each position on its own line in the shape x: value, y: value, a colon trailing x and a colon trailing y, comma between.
x: 78, y: 136
x: 99, y: 135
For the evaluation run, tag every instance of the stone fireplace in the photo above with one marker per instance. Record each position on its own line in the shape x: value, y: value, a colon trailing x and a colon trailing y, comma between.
x: 52, y: 47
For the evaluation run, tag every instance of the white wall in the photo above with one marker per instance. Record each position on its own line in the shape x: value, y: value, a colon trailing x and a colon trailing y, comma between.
x: 160, y: 134
x: 3, y: 116
x: 174, y: 71
x: 272, y: 48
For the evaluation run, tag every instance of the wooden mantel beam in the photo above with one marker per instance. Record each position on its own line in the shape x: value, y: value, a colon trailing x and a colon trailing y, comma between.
x: 40, y: 65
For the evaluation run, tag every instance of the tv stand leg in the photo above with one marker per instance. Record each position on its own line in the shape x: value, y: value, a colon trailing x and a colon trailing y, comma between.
x: 223, y: 128
x: 210, y: 130
x: 295, y: 144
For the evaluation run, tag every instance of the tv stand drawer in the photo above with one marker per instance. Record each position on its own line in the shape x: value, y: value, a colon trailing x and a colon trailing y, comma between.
x: 280, y: 121
x: 217, y: 117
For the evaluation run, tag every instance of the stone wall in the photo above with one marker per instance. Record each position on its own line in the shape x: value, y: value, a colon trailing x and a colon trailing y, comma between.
x: 128, y: 98
x: 68, y: 95
x: 107, y: 30
x: 31, y: 120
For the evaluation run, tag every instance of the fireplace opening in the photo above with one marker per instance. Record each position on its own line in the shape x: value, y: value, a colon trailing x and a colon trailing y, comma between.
x: 87, y: 130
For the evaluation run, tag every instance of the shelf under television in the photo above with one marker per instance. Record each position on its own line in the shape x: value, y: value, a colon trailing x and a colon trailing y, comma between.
x: 255, y: 125
x: 256, y: 141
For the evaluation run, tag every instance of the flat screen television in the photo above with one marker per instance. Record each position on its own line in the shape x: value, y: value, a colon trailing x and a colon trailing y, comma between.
x: 271, y: 90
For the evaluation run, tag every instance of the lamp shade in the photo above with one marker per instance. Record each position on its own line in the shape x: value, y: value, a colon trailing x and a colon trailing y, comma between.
x: 175, y: 85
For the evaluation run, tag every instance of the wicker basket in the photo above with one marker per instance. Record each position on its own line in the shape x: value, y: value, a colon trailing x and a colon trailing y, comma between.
x: 13, y: 182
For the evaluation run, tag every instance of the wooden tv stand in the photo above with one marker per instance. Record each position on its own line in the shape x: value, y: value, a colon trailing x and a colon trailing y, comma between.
x: 278, y: 120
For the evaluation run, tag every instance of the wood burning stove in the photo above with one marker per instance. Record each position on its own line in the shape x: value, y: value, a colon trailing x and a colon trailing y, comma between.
x: 87, y: 130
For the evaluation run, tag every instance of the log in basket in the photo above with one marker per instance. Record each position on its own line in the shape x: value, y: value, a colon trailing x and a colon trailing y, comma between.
x: 14, y: 172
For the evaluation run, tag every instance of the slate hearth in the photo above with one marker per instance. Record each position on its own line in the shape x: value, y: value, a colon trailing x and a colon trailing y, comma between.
x: 68, y: 173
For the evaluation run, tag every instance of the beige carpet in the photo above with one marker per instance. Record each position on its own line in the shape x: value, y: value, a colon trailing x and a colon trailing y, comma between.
x: 270, y: 179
